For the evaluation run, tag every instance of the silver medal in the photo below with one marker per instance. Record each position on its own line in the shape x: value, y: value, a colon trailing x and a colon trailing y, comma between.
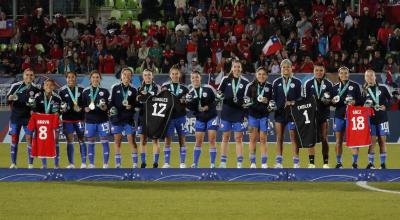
x: 77, y: 108
x: 260, y: 98
x: 125, y: 103
x: 336, y: 99
x: 235, y: 99
x: 377, y: 108
x: 92, y: 106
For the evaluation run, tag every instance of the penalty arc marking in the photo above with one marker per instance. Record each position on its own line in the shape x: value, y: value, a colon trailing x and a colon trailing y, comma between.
x: 364, y: 184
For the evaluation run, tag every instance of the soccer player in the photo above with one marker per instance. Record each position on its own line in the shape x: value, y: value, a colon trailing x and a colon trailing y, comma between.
x: 148, y: 88
x: 21, y: 98
x: 72, y: 117
x: 346, y: 92
x: 48, y: 102
x: 95, y: 103
x: 122, y: 111
x: 232, y: 90
x: 379, y: 98
x: 286, y: 90
x: 258, y: 94
x: 201, y: 100
x: 321, y: 88
x: 178, y: 119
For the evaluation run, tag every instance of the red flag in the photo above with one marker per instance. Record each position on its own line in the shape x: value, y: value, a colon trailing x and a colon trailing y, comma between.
x: 272, y: 45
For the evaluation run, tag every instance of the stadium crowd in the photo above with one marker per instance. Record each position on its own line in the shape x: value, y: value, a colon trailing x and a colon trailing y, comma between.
x: 207, y: 32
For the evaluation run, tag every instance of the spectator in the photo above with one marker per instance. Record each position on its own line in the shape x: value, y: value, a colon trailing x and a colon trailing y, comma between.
x: 149, y: 64
x: 155, y: 53
x: 70, y: 33
x: 182, y: 26
x: 166, y: 66
x: 384, y: 33
x: 204, y: 46
x: 199, y: 22
x: 377, y: 62
x: 307, y: 65
x: 91, y: 25
x: 365, y: 23
x: 303, y: 25
x: 143, y: 52
x: 195, y: 66
x: 274, y: 67
x: 365, y: 65
x: 107, y: 65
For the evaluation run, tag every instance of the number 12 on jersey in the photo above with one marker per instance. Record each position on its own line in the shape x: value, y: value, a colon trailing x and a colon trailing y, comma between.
x: 159, y: 109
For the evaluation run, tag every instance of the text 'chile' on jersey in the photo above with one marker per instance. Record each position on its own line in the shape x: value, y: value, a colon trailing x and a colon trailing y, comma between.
x: 207, y: 98
x: 97, y: 115
x: 179, y: 90
x: 324, y: 86
x: 353, y: 90
x: 71, y: 115
x: 231, y: 111
x: 258, y: 109
x: 116, y: 99
x: 293, y: 94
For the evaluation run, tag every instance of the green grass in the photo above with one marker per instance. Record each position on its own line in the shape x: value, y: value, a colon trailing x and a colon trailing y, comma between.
x: 392, y: 161
x: 205, y: 200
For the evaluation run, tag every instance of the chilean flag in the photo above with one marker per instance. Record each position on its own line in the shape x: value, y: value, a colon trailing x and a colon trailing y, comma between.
x: 8, y: 24
x: 272, y: 45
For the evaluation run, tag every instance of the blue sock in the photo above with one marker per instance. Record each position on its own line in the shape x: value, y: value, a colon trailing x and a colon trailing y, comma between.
x: 91, y: 152
x: 44, y: 162
x: 371, y: 158
x: 383, y: 157
x: 196, y: 155
x: 70, y: 153
x: 296, y: 160
x: 57, y: 158
x: 30, y: 158
x: 143, y: 157
x: 182, y: 151
x: 14, y: 152
x: 117, y: 159
x: 338, y: 158
x: 279, y: 159
x: 167, y: 154
x: 134, y: 158
x: 264, y: 159
x: 355, y: 158
x: 252, y: 158
x: 223, y: 158
x: 213, y: 155
x: 83, y: 150
x: 239, y: 159
x: 156, y: 157
x: 106, y: 151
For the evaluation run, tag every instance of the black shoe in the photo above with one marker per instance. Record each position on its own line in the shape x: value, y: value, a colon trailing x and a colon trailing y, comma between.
x: 370, y: 166
x: 143, y: 165
x: 155, y: 165
x: 383, y: 166
x: 339, y: 166
x: 355, y: 166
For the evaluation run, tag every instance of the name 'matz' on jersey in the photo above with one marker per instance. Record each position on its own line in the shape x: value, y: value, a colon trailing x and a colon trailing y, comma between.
x: 158, y: 112
x: 43, y: 142
x: 304, y: 117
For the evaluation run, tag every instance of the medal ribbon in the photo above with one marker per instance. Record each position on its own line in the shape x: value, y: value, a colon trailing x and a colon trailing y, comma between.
x: 74, y: 97
x: 376, y: 96
x: 235, y: 88
x: 47, y: 104
x: 285, y: 86
x: 93, y: 96
x: 318, y: 90
x: 341, y: 91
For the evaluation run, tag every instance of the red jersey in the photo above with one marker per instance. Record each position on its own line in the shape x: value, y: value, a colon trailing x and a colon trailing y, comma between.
x: 44, y: 139
x: 358, y: 132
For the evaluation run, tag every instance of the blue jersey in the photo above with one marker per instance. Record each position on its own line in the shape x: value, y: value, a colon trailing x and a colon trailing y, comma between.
x: 20, y: 111
x: 384, y: 99
x: 54, y: 103
x: 116, y: 99
x: 282, y: 114
x: 180, y: 91
x: 206, y: 98
x: 353, y: 90
x: 323, y: 86
x: 70, y: 114
x: 97, y: 115
x: 233, y: 111
x: 253, y: 91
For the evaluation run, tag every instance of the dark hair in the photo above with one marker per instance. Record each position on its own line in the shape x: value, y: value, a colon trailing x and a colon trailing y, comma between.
x: 71, y: 72
x: 94, y: 72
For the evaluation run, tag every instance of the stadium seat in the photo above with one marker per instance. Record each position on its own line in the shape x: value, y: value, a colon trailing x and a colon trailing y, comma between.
x: 126, y: 14
x: 3, y: 47
x: 146, y: 24
x: 137, y: 24
x: 116, y: 14
x: 14, y: 47
x: 136, y: 13
x: 109, y: 3
x: 133, y: 4
x: 158, y: 23
x: 120, y: 4
x: 171, y: 24
x: 40, y: 48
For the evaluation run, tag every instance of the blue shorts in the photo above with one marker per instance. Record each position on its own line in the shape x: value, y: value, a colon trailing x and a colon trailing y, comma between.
x: 16, y: 129
x: 291, y: 125
x: 339, y: 125
x: 103, y: 129
x: 232, y: 126
x: 259, y: 123
x: 71, y: 127
x: 380, y: 130
x: 211, y: 124
x: 178, y: 124
x: 125, y: 128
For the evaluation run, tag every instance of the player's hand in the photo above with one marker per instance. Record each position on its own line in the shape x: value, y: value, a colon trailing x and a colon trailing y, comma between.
x: 205, y: 108
x: 87, y: 109
x: 383, y: 108
x: 265, y: 100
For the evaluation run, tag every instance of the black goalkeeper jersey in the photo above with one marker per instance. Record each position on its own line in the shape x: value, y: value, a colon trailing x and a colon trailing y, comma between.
x: 304, y: 116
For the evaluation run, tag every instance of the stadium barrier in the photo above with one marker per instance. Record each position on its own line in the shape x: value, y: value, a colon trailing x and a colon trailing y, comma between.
x: 242, y: 175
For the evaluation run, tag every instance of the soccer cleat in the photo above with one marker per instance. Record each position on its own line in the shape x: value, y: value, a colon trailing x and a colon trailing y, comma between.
x: 355, y: 166
x: 383, y: 166
x: 182, y: 165
x: 239, y: 165
x: 296, y: 165
x: 326, y: 166
x: 83, y: 166
x: 105, y: 166
x: 13, y: 166
x: 222, y: 165
x: 212, y: 166
x: 166, y: 165
x: 117, y: 165
x: 30, y: 166
x: 278, y: 166
x: 264, y: 166
x: 134, y: 166
x: 193, y: 166
x: 311, y: 166
x: 253, y: 165
x: 71, y: 166
x: 155, y: 165
x: 91, y: 166
x: 370, y: 166
x: 339, y: 166
x: 143, y: 165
